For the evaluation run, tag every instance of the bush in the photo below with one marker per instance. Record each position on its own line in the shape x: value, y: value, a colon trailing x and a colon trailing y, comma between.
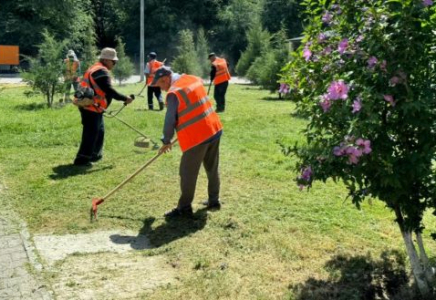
x: 365, y: 76
x: 46, y: 69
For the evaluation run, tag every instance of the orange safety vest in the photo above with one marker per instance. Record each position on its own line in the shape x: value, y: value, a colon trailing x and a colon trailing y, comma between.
x: 100, y: 103
x: 71, y: 69
x: 197, y: 120
x: 222, y: 72
x: 153, y: 66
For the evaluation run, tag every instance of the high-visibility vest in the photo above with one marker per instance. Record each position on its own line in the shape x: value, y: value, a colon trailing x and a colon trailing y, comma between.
x: 153, y: 66
x: 222, y: 72
x: 100, y: 103
x: 197, y: 120
x: 71, y: 68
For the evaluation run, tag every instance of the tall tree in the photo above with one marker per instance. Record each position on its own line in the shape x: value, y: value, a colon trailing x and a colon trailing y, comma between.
x: 258, y: 43
x: 278, y: 14
x: 186, y: 60
x: 24, y: 21
x: 265, y: 70
x: 124, y: 67
x: 230, y: 34
x: 202, y: 51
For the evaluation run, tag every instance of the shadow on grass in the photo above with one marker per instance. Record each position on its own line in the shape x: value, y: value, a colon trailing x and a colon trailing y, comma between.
x: 70, y: 170
x: 171, y: 230
x: 360, y: 277
x: 274, y: 98
x: 32, y: 106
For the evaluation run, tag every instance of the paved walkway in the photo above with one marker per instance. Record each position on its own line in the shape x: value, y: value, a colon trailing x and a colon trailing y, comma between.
x: 16, y: 259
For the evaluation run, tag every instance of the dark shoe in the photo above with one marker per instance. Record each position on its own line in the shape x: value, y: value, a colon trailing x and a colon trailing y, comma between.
x: 96, y: 158
x: 82, y: 163
x: 213, y: 205
x: 150, y: 108
x: 161, y: 106
x: 177, y: 213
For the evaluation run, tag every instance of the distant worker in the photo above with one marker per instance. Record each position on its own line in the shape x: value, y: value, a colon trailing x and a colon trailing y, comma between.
x: 71, y: 74
x: 220, y: 76
x: 96, y: 80
x: 199, y: 129
x: 152, y: 65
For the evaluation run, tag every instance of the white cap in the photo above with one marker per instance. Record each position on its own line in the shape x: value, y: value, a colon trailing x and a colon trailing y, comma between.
x: 109, y: 53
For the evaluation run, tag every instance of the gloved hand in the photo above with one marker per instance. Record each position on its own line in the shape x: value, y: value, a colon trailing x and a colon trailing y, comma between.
x: 129, y: 99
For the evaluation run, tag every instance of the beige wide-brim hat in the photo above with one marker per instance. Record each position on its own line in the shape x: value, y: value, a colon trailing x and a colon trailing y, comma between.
x: 109, y: 53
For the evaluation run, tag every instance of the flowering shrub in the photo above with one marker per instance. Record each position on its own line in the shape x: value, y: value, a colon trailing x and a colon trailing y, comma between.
x: 365, y: 76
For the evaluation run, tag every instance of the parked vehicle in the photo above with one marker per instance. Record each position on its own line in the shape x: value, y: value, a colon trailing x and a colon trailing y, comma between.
x: 9, y: 58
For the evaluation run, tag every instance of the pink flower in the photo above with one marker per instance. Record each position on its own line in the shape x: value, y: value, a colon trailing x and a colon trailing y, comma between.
x: 338, y: 151
x: 338, y: 90
x: 427, y: 3
x: 359, y: 38
x: 306, y: 174
x: 327, y: 17
x: 372, y: 61
x: 321, y: 37
x: 394, y: 80
x: 326, y: 104
x: 390, y: 99
x: 343, y: 46
x: 284, y: 88
x: 365, y: 144
x: 357, y: 105
x: 353, y: 154
x: 307, y: 54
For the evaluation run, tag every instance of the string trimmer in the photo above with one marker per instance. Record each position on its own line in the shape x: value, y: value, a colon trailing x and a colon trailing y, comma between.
x: 143, y: 141
x: 98, y: 201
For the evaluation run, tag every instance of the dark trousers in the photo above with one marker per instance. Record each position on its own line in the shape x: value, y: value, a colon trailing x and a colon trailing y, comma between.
x: 220, y: 95
x: 67, y: 87
x: 91, y: 146
x: 208, y: 154
x: 157, y: 92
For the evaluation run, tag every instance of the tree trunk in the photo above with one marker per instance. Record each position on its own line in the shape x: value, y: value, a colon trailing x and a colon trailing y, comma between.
x: 429, y: 274
x: 417, y: 268
x: 47, y: 95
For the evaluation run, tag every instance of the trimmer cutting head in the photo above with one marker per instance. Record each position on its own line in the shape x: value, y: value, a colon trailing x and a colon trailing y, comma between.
x: 93, y: 212
x: 142, y: 142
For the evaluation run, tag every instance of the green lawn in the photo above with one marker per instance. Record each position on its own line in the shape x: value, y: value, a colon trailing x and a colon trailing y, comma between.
x: 269, y: 241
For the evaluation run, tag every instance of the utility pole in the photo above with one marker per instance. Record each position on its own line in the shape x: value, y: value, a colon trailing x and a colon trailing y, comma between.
x: 141, y: 46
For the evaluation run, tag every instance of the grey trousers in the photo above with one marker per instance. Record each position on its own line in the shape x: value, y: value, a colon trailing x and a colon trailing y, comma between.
x: 208, y: 154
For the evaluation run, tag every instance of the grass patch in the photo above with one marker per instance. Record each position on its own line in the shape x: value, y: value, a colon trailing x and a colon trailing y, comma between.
x: 269, y: 241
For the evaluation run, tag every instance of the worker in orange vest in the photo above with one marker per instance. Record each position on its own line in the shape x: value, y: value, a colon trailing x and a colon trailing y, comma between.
x: 150, y: 69
x: 97, y: 82
x: 191, y: 115
x: 71, y: 74
x: 220, y: 76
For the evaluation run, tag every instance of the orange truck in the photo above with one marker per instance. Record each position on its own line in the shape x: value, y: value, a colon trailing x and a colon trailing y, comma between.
x: 9, y: 58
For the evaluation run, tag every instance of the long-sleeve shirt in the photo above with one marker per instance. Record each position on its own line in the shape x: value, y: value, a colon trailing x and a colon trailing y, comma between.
x: 102, y: 79
x: 171, y: 116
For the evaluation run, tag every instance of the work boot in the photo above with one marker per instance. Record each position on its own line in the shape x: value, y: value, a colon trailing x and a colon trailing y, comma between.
x: 96, y: 158
x: 216, y: 205
x: 178, y: 213
x: 82, y: 163
x: 161, y: 105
